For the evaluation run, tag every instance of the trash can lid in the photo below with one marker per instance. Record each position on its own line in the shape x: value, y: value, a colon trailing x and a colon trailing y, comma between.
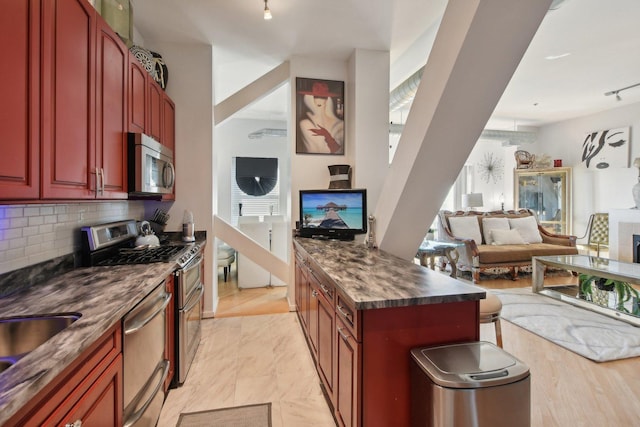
x: 469, y: 365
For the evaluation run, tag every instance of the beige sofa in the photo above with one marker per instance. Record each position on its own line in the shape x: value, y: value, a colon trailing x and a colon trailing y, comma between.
x: 500, y: 239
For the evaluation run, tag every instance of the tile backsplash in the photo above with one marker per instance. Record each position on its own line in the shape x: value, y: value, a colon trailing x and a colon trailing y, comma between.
x: 32, y: 233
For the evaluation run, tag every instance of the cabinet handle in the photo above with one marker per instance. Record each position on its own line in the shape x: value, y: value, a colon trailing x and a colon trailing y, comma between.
x: 314, y: 293
x: 97, y: 173
x: 344, y: 313
x: 325, y: 289
x: 343, y: 335
x: 76, y: 423
x: 101, y: 180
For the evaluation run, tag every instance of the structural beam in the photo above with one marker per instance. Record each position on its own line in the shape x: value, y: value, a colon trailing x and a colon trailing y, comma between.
x: 251, y: 93
x: 476, y: 51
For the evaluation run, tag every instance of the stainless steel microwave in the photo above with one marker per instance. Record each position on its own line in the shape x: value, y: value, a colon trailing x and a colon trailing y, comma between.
x: 151, y: 169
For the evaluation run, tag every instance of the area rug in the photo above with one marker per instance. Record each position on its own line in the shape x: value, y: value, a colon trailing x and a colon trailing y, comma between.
x: 239, y: 416
x: 589, y: 334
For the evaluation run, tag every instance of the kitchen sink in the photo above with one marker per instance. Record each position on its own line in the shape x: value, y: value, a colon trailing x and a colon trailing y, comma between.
x: 20, y: 335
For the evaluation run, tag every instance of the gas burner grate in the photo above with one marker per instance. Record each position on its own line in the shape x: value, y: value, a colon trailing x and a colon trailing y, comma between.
x: 144, y: 255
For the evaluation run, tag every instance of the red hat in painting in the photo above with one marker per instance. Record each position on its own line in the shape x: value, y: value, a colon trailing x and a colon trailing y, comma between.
x: 319, y: 90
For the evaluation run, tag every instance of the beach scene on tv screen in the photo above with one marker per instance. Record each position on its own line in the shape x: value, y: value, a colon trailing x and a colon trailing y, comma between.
x: 332, y: 210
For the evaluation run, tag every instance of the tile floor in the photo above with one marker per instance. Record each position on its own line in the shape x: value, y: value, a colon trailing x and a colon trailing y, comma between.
x: 252, y: 359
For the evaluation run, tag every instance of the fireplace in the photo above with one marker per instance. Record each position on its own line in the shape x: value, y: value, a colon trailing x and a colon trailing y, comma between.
x: 636, y: 248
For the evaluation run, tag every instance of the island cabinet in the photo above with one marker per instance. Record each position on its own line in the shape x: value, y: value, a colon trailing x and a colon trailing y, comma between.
x: 348, y: 363
x: 302, y: 291
x: 362, y: 312
x: 88, y: 391
x: 322, y: 296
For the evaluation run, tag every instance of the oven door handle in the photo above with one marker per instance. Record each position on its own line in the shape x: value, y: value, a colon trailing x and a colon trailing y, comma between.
x: 164, y: 366
x: 194, y: 263
x: 137, y: 325
x: 195, y: 300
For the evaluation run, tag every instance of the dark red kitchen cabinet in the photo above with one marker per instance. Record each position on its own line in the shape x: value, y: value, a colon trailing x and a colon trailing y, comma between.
x: 314, y: 287
x: 20, y: 107
x: 137, y: 97
x: 154, y: 123
x: 326, y: 334
x: 348, y: 365
x: 88, y: 390
x: 168, y: 123
x: 111, y: 113
x: 169, y: 133
x: 68, y: 100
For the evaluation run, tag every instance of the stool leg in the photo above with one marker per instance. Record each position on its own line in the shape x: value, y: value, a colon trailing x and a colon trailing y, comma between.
x: 498, y: 332
x: 225, y: 274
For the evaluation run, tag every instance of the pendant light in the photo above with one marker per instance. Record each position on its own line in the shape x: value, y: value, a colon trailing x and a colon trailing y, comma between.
x: 267, y: 11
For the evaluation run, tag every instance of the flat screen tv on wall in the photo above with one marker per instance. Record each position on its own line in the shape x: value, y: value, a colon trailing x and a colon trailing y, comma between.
x: 333, y: 214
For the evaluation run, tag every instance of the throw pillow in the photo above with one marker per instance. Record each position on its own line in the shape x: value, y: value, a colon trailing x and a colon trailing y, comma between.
x: 466, y: 227
x: 506, y: 237
x: 490, y: 224
x: 527, y: 227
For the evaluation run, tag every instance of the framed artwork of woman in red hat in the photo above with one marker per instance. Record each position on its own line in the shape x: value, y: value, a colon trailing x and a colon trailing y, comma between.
x: 319, y: 116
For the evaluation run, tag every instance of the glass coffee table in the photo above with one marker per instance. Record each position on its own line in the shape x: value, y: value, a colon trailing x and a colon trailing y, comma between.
x: 592, y: 266
x: 430, y: 249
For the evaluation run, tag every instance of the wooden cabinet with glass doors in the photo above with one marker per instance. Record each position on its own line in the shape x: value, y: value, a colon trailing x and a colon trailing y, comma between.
x: 547, y: 192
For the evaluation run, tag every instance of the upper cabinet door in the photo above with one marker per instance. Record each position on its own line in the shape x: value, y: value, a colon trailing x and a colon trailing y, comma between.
x: 154, y: 127
x: 111, y: 113
x: 168, y: 123
x: 68, y: 113
x: 20, y: 107
x: 137, y: 95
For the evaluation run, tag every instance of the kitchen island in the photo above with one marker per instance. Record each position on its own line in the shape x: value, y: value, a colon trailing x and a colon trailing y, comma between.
x: 101, y: 295
x: 362, y: 311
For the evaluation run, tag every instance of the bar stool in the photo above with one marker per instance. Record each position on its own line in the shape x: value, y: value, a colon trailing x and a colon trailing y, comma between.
x: 490, y: 309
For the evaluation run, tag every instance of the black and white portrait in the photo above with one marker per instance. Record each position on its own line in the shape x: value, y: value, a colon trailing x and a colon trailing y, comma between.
x: 606, y: 149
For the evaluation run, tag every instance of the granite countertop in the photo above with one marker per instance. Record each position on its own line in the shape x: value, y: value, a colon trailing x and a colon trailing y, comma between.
x: 102, y: 295
x: 374, y: 279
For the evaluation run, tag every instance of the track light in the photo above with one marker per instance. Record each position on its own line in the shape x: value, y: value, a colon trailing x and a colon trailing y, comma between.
x: 617, y: 91
x: 267, y: 11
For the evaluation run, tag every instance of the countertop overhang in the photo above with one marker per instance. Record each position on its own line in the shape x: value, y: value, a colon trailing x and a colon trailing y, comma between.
x: 373, y: 279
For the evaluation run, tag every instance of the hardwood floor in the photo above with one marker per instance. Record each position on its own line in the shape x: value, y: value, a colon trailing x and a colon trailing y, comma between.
x: 566, y: 389
x: 248, y: 302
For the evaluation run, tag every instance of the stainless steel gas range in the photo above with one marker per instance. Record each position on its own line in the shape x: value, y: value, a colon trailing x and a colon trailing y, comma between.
x: 114, y: 244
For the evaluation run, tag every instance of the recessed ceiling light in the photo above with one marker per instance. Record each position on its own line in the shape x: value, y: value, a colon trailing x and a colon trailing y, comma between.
x: 552, y: 57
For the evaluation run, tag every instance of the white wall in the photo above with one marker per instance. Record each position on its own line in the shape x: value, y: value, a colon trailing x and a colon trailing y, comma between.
x: 492, y: 189
x: 369, y: 117
x: 310, y: 171
x: 365, y: 150
x: 190, y: 86
x: 593, y: 190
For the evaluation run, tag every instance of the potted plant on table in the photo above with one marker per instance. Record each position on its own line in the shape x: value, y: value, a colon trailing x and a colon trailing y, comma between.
x: 597, y: 289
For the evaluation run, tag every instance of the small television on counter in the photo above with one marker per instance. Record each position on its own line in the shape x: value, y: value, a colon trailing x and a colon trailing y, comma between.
x: 333, y: 214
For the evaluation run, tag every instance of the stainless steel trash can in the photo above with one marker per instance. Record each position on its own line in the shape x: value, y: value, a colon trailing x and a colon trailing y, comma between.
x: 469, y: 384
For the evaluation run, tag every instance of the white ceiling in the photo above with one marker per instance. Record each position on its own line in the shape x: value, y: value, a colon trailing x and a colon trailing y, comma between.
x: 601, y: 37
